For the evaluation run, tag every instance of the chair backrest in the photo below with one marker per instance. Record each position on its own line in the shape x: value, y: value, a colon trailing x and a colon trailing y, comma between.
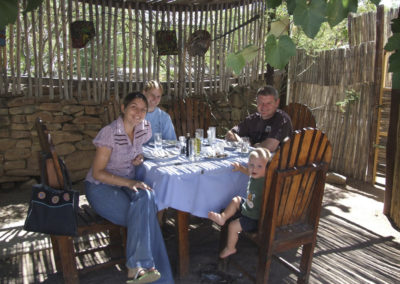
x: 295, y: 181
x: 112, y: 110
x: 189, y: 114
x: 51, y: 173
x: 300, y: 115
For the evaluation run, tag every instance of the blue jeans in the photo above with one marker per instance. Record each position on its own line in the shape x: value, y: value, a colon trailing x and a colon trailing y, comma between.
x: 138, y: 212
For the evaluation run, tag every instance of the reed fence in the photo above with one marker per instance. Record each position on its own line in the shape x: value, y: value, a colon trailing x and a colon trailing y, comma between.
x: 324, y: 79
x: 123, y: 55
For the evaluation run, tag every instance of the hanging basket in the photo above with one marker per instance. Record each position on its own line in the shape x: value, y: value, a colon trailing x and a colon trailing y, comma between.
x: 198, y: 43
x: 166, y: 43
x: 81, y: 33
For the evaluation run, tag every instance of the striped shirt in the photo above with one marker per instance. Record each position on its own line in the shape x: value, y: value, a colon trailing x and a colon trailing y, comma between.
x: 113, y: 136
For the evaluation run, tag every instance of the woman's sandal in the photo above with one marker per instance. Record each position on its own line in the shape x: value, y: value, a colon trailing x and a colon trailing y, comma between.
x: 145, y: 276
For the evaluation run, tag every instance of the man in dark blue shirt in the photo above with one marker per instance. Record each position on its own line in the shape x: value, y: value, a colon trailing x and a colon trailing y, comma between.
x: 268, y: 127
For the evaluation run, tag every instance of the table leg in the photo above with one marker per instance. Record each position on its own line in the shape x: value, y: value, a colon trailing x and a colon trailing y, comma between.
x: 183, y: 242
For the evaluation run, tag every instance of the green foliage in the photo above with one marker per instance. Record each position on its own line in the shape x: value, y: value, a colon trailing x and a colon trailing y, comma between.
x: 351, y: 97
x: 309, y: 15
x: 339, y: 9
x: 238, y: 60
x: 32, y: 5
x: 8, y: 12
x: 393, y: 44
x: 272, y: 4
x: 279, y: 50
x: 280, y: 26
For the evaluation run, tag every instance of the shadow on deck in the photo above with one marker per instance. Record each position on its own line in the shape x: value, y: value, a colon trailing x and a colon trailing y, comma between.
x: 349, y: 249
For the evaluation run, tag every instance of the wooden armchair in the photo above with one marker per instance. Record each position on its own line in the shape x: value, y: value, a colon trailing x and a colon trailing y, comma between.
x: 112, y: 109
x: 300, y: 115
x: 294, y: 186
x: 189, y: 114
x: 65, y: 248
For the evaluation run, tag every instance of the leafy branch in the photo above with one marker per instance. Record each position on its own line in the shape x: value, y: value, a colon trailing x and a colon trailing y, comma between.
x: 307, y: 15
x: 351, y: 97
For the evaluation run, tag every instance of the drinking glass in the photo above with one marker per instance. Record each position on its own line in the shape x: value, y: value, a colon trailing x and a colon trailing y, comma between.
x: 244, y: 145
x: 200, y: 134
x: 157, y: 141
x: 211, y: 135
x: 219, y: 148
x: 192, y: 149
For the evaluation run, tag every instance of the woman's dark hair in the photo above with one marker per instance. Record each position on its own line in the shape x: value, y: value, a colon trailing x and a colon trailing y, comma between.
x: 134, y: 95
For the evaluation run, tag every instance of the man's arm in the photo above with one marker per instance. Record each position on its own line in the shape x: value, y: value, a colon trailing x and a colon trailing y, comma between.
x: 269, y: 143
x: 231, y: 136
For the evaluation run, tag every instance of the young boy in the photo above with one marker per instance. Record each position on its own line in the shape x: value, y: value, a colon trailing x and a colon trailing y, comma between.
x: 245, y: 212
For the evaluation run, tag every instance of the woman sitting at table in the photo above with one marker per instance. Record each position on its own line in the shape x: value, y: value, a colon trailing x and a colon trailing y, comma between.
x: 116, y: 196
x: 160, y: 120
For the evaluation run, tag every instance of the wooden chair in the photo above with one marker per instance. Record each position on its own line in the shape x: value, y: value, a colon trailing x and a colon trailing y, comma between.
x: 189, y: 114
x: 112, y: 109
x: 65, y: 248
x: 294, y: 186
x: 300, y: 115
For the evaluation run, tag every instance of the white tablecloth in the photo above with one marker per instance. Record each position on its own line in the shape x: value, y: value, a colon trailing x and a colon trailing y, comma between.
x: 195, y: 187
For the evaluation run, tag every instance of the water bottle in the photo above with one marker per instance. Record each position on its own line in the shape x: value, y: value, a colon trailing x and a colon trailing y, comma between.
x: 187, y: 144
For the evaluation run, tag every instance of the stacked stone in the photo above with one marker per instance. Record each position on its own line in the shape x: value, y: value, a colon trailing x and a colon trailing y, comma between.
x: 72, y: 125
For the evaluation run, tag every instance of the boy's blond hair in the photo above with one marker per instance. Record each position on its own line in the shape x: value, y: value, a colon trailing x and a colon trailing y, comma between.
x: 262, y: 153
x: 149, y: 85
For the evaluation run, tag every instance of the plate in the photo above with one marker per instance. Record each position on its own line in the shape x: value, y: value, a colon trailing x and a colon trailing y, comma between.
x: 159, y: 154
x: 220, y: 156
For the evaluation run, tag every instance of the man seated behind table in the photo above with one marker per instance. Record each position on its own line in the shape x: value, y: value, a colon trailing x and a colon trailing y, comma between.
x: 268, y: 127
x: 160, y: 120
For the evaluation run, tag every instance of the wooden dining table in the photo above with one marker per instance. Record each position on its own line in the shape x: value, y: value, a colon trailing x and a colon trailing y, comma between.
x: 192, y: 187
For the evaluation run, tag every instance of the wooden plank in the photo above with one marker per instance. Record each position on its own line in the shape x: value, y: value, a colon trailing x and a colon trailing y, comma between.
x: 115, y: 40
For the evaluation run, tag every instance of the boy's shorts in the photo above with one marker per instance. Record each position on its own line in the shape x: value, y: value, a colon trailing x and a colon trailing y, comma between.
x: 247, y: 224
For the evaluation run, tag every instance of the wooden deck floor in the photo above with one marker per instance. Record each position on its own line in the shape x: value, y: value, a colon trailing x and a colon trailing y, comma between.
x: 356, y: 244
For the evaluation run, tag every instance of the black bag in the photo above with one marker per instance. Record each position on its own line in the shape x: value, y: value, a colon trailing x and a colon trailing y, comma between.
x: 53, y: 211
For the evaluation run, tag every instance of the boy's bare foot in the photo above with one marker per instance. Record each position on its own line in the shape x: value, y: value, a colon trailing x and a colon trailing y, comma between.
x: 227, y: 252
x: 216, y: 217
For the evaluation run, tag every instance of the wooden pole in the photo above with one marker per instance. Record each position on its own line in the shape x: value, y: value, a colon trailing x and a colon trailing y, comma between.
x: 375, y: 95
x: 392, y: 146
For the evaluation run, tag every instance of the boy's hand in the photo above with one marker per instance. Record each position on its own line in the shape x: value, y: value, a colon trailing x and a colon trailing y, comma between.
x: 236, y: 166
x: 137, y: 160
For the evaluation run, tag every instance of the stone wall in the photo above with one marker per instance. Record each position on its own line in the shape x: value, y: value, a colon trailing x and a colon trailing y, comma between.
x: 73, y: 124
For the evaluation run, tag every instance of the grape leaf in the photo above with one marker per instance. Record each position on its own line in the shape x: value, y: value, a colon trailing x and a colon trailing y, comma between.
x: 394, y: 62
x: 337, y: 10
x: 32, y: 5
x: 310, y: 16
x: 271, y: 4
x: 249, y: 52
x: 279, y: 50
x: 280, y: 27
x: 393, y: 42
x: 236, y: 62
x: 8, y: 12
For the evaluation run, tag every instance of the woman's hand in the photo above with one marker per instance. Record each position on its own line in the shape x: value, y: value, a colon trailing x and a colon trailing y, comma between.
x: 135, y: 185
x: 137, y: 160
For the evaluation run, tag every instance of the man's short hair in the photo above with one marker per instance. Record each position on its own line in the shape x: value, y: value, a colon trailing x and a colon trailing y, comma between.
x: 268, y: 91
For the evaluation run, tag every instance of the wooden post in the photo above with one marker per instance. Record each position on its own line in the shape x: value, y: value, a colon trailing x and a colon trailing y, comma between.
x: 392, y: 146
x: 375, y: 95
